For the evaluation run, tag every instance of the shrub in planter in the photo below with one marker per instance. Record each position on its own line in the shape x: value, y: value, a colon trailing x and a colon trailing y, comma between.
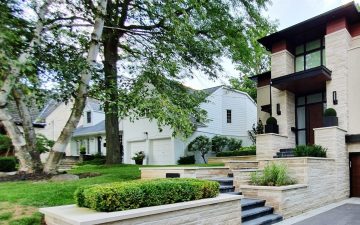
x: 136, y: 194
x: 185, y: 160
x: 243, y: 151
x: 271, y: 125
x: 330, y: 119
x: 7, y: 164
x: 82, y: 150
x: 139, y: 158
x: 273, y: 175
x: 309, y: 151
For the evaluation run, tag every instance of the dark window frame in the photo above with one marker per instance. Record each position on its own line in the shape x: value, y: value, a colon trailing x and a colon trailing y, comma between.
x: 306, y: 52
x: 228, y: 116
x: 88, y: 117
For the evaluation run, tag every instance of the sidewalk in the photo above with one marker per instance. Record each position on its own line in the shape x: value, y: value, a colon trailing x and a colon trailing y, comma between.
x: 346, y: 212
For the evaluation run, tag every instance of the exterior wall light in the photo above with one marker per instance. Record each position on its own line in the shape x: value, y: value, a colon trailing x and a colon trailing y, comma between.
x: 335, y: 100
x: 278, y: 111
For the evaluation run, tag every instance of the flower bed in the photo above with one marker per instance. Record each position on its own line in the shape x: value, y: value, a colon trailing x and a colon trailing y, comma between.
x: 137, y: 194
x: 242, y: 152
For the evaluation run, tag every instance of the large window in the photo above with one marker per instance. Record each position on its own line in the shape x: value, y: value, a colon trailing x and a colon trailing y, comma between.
x: 88, y: 117
x: 310, y: 55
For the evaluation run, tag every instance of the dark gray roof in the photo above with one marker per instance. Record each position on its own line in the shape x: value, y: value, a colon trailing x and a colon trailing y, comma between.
x: 50, y: 106
x: 13, y: 110
x: 96, y: 129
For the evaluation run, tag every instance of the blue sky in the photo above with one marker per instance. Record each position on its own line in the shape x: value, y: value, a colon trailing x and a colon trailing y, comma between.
x: 287, y: 13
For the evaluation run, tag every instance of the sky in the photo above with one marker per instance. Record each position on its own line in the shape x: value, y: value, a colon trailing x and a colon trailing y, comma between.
x: 287, y: 13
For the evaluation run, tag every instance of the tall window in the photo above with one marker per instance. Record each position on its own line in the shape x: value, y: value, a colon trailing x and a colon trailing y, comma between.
x: 88, y: 117
x: 228, y: 116
x: 310, y: 55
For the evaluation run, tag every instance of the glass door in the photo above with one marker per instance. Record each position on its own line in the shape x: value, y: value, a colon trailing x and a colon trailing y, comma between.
x: 309, y: 112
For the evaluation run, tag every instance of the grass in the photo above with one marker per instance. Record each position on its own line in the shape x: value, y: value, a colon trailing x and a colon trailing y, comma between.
x: 19, y: 201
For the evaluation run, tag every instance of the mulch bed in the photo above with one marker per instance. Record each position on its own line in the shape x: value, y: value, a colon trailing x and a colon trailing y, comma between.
x: 23, y: 176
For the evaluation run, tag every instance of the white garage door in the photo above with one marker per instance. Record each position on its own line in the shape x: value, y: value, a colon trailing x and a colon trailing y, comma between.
x: 135, y: 147
x: 162, y: 152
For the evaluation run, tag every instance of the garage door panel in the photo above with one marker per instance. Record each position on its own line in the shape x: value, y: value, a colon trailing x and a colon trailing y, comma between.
x: 136, y: 147
x: 162, y: 152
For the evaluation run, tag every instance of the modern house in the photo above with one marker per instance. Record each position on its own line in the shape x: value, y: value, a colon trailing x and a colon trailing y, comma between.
x: 231, y: 113
x: 315, y: 65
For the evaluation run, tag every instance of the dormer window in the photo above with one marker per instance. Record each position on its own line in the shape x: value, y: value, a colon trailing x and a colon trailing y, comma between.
x: 88, y: 117
x: 310, y: 55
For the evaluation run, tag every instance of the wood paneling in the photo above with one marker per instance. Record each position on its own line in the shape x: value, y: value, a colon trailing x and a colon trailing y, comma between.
x: 355, y: 175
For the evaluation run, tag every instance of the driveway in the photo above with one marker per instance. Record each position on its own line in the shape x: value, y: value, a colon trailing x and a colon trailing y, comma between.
x: 346, y: 212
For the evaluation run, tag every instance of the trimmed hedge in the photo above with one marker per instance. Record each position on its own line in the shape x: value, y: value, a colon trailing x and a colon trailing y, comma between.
x: 186, y: 160
x: 310, y: 151
x: 7, y: 164
x: 251, y: 150
x: 137, y: 194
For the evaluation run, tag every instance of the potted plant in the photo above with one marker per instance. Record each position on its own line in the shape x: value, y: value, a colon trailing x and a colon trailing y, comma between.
x: 330, y: 119
x: 139, y: 157
x: 271, y: 125
x: 82, y: 150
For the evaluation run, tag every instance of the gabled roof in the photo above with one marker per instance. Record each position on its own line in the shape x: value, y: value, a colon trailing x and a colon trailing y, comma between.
x: 96, y: 129
x: 34, y: 113
x: 50, y: 106
x: 211, y: 90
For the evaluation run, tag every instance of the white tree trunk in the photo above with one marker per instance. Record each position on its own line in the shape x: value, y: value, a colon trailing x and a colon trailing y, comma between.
x: 81, y: 94
x: 13, y: 131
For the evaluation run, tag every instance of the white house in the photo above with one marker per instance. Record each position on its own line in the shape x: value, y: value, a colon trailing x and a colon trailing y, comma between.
x: 231, y: 113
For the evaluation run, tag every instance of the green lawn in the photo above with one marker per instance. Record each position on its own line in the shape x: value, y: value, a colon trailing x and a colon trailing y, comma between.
x: 19, y: 201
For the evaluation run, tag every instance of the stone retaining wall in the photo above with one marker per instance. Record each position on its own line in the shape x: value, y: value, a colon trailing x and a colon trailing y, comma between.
x: 184, y: 172
x: 268, y: 144
x: 317, y: 186
x: 224, y: 209
x: 231, y: 158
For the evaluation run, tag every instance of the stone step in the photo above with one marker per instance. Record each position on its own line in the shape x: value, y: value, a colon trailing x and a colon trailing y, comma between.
x: 226, y: 188
x: 224, y: 180
x: 233, y: 193
x: 255, y: 213
x: 241, y: 164
x: 287, y: 150
x: 264, y: 220
x: 249, y: 203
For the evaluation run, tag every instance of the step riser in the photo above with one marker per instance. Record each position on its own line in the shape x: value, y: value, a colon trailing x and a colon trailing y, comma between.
x: 227, y: 190
x: 253, y: 206
x: 257, y: 215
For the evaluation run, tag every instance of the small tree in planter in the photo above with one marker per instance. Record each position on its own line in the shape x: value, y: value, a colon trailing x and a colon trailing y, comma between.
x: 330, y: 119
x: 82, y: 150
x: 201, y: 144
x: 271, y: 125
x: 139, y: 158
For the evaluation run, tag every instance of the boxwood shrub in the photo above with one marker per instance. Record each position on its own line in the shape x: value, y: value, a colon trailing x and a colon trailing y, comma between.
x: 7, y: 164
x: 136, y: 194
x: 185, y: 160
x: 251, y: 150
x: 310, y: 151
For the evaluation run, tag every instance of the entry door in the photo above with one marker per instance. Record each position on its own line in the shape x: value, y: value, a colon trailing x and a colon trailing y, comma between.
x: 315, y: 117
x: 355, y: 175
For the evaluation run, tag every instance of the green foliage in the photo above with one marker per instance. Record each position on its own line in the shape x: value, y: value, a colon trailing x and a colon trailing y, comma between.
x: 5, y: 143
x: 43, y: 144
x: 310, y: 151
x: 258, y: 129
x: 36, y: 218
x: 273, y: 175
x: 137, y: 194
x: 245, y: 84
x: 5, y: 216
x: 243, y: 151
x: 7, y: 164
x: 271, y: 121
x: 82, y: 150
x: 221, y: 143
x: 139, y: 156
x: 200, y: 144
x: 330, y: 112
x: 186, y: 160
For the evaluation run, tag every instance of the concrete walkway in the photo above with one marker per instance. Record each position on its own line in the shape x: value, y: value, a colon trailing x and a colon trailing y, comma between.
x: 346, y: 212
